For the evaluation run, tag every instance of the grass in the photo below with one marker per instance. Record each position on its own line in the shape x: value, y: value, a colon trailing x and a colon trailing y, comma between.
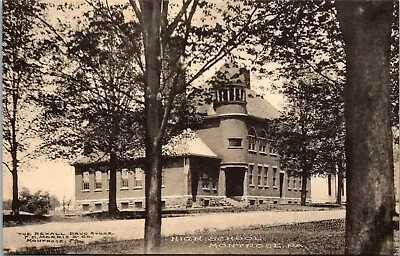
x: 322, y: 237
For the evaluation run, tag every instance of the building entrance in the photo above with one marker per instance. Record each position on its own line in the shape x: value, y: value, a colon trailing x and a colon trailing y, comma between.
x: 234, y: 181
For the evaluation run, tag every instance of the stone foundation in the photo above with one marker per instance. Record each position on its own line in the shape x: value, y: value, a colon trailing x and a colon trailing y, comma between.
x: 181, y: 202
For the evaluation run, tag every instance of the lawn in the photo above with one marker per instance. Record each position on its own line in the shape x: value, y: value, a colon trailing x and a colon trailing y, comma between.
x: 322, y: 237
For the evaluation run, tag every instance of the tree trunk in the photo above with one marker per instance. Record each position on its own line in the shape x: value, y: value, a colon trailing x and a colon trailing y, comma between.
x: 14, y: 154
x: 303, y: 195
x: 151, y: 11
x: 112, y: 190
x: 366, y: 29
x: 340, y: 182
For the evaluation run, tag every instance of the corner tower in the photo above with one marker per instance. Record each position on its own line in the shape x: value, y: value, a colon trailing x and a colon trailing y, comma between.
x: 230, y: 83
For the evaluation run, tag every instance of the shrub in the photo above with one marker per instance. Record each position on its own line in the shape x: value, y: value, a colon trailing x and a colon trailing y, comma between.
x: 37, y: 203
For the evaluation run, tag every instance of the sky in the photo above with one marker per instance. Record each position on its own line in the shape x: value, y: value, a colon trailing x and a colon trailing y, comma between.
x: 57, y: 177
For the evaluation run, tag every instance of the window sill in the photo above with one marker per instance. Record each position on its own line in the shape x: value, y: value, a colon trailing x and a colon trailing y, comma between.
x: 290, y: 189
x: 252, y: 151
x: 124, y: 188
x: 85, y: 190
x: 137, y: 188
x: 295, y: 189
x: 235, y: 147
x: 251, y: 185
x: 215, y: 189
x: 273, y: 154
x: 206, y: 189
x: 266, y: 187
x: 260, y: 186
x: 275, y: 187
x: 98, y: 190
x: 263, y: 153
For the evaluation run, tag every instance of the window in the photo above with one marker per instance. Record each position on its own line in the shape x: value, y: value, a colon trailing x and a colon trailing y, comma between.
x: 138, y: 177
x: 294, y: 184
x: 215, y: 184
x: 97, y: 180
x: 231, y: 94
x: 329, y: 184
x: 124, y: 205
x: 235, y: 142
x: 224, y: 95
x: 85, y: 181
x: 85, y: 207
x: 239, y: 94
x: 124, y: 179
x: 288, y: 183
x: 138, y: 204
x: 259, y: 176
x: 252, y: 139
x: 97, y: 206
x: 265, y: 175
x: 274, y: 171
x: 251, y: 175
x: 205, y: 182
x: 262, y: 145
x: 272, y: 150
x: 300, y: 183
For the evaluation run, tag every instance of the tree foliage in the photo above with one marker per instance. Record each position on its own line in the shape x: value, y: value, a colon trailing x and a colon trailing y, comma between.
x: 309, y: 135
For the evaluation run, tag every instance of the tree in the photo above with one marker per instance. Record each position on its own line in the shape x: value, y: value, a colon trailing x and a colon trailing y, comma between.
x: 96, y: 107
x: 306, y: 135
x: 23, y: 51
x: 366, y: 28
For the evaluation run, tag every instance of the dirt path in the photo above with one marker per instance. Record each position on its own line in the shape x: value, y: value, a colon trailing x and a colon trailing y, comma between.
x: 53, y: 234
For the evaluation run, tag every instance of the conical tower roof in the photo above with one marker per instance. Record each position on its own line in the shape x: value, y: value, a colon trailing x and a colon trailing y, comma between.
x: 230, y: 74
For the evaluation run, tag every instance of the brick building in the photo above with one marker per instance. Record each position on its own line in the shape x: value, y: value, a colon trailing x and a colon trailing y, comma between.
x: 228, y: 160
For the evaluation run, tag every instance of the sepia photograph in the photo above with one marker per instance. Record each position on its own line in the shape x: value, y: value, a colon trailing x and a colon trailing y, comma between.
x: 266, y: 127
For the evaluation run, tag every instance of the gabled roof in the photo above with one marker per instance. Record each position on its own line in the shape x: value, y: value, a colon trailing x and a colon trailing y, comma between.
x: 188, y: 143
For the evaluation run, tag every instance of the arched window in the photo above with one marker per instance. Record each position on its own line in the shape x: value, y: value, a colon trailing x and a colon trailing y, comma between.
x: 262, y: 144
x: 252, y: 139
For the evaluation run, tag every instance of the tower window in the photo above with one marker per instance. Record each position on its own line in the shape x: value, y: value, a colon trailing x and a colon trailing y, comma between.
x: 235, y: 142
x: 238, y: 94
x: 231, y: 94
